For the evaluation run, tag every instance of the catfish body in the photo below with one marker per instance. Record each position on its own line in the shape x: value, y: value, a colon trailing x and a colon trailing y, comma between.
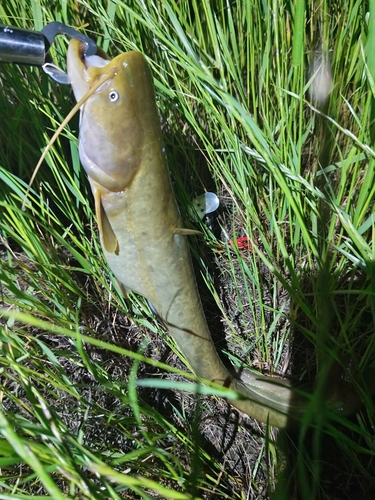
x: 140, y: 227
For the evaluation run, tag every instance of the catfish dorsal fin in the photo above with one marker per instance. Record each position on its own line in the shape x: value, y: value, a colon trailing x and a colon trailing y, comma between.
x: 107, y: 236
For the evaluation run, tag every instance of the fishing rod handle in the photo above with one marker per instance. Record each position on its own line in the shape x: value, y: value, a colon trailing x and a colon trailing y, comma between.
x: 21, y: 46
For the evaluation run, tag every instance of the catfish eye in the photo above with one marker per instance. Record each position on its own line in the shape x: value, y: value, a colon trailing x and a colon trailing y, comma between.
x: 114, y: 96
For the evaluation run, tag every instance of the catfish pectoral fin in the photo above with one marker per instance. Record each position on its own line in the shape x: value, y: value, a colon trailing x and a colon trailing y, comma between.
x: 108, y: 237
x: 186, y: 232
x: 123, y: 289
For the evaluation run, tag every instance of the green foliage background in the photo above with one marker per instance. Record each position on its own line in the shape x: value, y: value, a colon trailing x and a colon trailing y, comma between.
x: 237, y: 87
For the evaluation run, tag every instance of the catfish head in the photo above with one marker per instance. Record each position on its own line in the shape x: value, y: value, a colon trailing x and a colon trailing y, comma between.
x: 118, y: 119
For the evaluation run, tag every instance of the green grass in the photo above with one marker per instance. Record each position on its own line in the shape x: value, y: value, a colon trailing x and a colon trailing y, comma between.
x: 234, y: 82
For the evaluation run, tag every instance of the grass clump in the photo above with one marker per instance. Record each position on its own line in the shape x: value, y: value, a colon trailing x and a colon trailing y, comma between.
x: 271, y: 105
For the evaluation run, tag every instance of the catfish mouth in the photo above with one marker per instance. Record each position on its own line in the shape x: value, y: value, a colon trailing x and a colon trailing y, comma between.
x: 84, y: 71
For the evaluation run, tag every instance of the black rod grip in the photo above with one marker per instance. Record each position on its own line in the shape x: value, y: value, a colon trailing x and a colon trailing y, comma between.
x: 22, y: 46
